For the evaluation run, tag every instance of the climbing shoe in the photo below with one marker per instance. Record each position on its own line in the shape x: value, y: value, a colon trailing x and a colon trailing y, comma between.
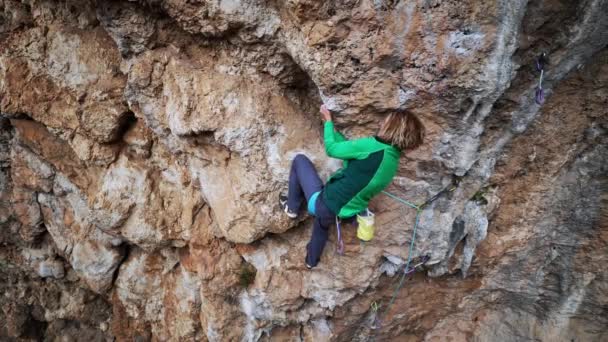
x: 283, y: 204
x: 306, y: 262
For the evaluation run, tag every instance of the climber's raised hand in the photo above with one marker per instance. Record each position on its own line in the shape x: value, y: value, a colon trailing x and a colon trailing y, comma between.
x: 325, y: 114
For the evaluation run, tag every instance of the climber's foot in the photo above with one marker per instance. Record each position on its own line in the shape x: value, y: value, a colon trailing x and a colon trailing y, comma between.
x: 306, y: 262
x: 283, y: 204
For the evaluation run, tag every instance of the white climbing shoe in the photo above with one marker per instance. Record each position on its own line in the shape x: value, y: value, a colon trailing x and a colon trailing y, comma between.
x: 283, y: 204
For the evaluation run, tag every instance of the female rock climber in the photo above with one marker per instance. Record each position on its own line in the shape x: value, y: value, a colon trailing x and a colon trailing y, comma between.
x: 369, y: 166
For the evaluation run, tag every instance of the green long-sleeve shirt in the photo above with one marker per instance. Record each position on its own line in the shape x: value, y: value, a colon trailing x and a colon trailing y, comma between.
x: 369, y: 166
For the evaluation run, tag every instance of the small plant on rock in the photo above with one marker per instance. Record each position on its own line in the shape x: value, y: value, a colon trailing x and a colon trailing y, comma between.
x: 247, y: 274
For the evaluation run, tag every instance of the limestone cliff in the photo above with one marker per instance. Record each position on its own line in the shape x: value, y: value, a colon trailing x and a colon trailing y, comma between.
x: 143, y: 145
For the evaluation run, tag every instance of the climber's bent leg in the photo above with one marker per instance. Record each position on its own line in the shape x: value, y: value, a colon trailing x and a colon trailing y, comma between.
x: 303, y: 182
x: 324, y: 218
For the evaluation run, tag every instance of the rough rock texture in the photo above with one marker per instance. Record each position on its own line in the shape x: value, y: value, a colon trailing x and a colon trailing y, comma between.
x: 143, y: 145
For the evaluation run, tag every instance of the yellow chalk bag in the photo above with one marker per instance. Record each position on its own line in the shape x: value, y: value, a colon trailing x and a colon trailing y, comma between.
x: 365, y: 229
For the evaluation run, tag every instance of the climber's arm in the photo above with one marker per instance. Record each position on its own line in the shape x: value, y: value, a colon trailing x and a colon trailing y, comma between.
x: 337, y: 146
x: 338, y: 137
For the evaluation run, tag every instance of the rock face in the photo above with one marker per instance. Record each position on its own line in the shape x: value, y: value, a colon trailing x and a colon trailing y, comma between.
x: 143, y: 145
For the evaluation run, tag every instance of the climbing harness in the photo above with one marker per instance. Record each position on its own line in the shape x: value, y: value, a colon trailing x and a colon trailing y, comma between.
x: 541, y: 61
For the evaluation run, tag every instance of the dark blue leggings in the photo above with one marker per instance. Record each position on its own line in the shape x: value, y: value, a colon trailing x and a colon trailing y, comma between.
x: 303, y: 182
